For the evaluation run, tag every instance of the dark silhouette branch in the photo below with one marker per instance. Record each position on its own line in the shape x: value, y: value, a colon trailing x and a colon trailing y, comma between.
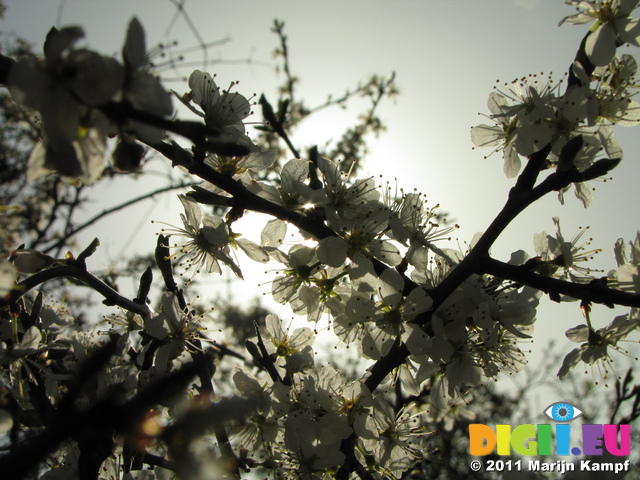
x: 595, y: 291
x: 520, y: 197
x: 73, y: 230
x: 108, y: 413
x: 205, y: 136
x: 111, y: 297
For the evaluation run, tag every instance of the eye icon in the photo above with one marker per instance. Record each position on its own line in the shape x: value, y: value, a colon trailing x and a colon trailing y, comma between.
x: 562, y: 412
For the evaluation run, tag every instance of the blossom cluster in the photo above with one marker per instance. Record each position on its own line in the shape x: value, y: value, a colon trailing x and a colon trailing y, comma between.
x: 531, y: 113
x: 68, y: 85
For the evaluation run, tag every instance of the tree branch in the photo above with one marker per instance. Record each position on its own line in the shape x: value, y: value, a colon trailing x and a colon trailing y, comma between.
x: 108, y: 413
x: 595, y: 291
x: 111, y: 210
x: 111, y: 297
x: 521, y: 195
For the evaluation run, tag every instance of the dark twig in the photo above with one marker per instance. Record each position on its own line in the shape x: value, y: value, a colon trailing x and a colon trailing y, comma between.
x: 74, y: 230
x: 592, y: 292
x: 111, y: 297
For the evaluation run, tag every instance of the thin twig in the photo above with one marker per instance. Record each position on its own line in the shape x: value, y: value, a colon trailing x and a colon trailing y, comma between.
x: 114, y: 209
x: 71, y: 271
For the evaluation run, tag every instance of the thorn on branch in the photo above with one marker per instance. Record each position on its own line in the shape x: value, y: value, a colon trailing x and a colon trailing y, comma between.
x: 163, y: 260
x: 206, y: 197
x: 87, y: 252
x: 145, y: 286
x: 598, y: 169
x: 599, y: 287
x: 569, y: 152
x: 529, y: 175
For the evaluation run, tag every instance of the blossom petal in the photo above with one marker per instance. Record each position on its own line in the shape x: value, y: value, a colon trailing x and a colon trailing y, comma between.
x: 487, y: 136
x: 134, y: 50
x: 578, y: 334
x: 332, y: 251
x: 253, y: 251
x: 631, y: 32
x: 192, y: 213
x: 570, y: 361
x: 601, y: 45
x: 273, y: 233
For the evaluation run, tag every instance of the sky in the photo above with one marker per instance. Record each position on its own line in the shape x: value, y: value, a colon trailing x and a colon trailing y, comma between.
x: 446, y: 56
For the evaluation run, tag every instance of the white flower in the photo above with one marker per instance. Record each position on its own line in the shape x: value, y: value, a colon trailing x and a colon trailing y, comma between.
x: 613, y: 90
x: 620, y: 251
x: 302, y: 265
x: 172, y: 321
x: 365, y: 237
x: 82, y: 159
x: 207, y: 241
x: 397, y: 443
x: 29, y: 260
x: 561, y: 257
x: 618, y: 76
x: 627, y: 275
x: 223, y: 109
x: 412, y: 221
x: 620, y: 111
x: 379, y: 322
x: 240, y: 168
x: 562, y: 123
x: 62, y: 87
x: 305, y: 284
x: 177, y: 328
x: 294, y: 180
x: 260, y: 427
x: 313, y: 445
x: 499, y: 136
x: 513, y: 107
x: 611, y: 25
x: 596, y: 343
x: 295, y: 348
x: 497, y: 349
x: 448, y: 417
x: 346, y: 202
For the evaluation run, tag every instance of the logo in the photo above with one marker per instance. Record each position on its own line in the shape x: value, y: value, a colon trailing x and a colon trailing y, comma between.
x: 530, y: 440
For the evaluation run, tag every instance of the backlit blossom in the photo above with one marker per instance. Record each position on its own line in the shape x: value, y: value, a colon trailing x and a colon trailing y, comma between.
x: 562, y: 258
x: 399, y: 436
x: 517, y: 109
x: 345, y: 202
x: 301, y: 266
x: 611, y: 24
x: 294, y: 348
x: 222, y: 109
x: 242, y: 168
x: 207, y: 241
x: 596, y: 345
x: 365, y: 237
x: 62, y: 87
x: 411, y: 221
x: 627, y: 275
x: 177, y: 328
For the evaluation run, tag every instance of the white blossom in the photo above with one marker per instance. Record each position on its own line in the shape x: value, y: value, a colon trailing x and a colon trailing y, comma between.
x: 611, y: 24
x: 62, y: 87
